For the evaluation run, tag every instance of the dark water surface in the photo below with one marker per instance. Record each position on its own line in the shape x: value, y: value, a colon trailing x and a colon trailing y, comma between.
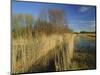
x: 85, y: 45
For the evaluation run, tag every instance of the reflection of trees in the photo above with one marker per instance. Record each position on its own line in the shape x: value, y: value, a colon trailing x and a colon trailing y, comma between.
x: 22, y: 24
x: 51, y: 21
x: 48, y: 22
x: 56, y: 16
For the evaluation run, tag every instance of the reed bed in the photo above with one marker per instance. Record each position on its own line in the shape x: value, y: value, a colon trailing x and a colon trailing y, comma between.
x: 25, y: 52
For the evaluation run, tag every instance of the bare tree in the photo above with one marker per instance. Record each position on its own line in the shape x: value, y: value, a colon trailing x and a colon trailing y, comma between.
x: 56, y: 16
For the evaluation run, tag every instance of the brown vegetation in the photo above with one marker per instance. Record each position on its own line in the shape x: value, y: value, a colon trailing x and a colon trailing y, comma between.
x: 36, y: 43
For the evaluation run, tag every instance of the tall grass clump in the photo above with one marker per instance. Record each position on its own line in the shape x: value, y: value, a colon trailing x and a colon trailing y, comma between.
x: 34, y: 42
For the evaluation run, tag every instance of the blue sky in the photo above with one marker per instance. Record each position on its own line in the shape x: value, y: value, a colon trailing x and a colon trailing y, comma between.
x: 78, y: 17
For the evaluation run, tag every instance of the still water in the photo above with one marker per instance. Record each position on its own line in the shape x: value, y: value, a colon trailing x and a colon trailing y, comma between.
x: 85, y: 45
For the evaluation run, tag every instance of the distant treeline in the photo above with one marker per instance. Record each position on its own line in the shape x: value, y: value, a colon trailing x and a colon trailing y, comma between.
x: 87, y: 32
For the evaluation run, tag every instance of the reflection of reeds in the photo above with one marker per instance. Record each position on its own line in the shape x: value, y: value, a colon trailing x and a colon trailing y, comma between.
x: 83, y: 61
x: 91, y: 36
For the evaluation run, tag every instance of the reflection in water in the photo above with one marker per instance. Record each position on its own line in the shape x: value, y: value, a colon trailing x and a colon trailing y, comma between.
x: 86, y: 45
x: 84, y: 57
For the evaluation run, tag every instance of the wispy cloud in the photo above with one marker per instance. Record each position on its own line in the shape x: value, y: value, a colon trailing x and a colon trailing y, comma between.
x: 82, y: 21
x: 84, y: 8
x: 81, y: 25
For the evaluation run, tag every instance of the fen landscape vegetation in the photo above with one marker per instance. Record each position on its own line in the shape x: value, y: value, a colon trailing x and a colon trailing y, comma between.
x: 48, y: 44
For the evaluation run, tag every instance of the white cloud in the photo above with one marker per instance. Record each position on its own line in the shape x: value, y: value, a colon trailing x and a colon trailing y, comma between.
x: 84, y: 9
x: 79, y: 25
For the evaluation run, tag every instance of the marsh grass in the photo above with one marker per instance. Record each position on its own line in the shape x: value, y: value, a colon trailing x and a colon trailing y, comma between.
x: 26, y: 52
x: 45, y: 48
x: 49, y: 53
